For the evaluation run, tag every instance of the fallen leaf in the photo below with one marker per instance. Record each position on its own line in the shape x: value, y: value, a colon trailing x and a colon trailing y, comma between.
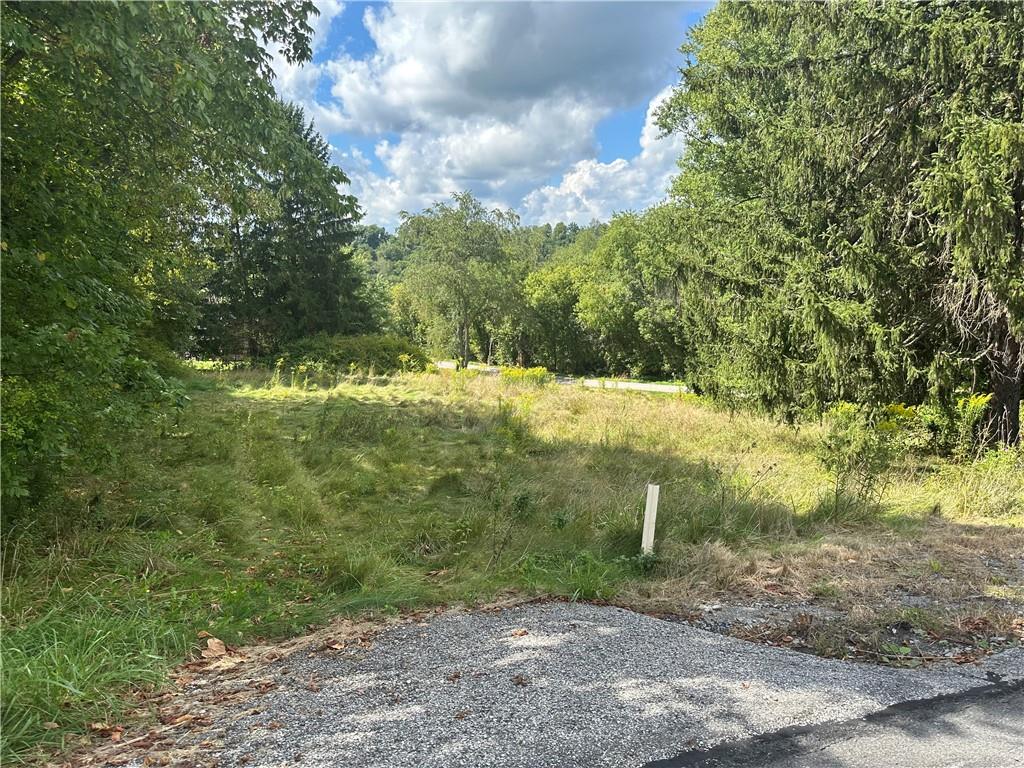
x: 50, y: 726
x: 519, y: 632
x: 521, y: 680
x: 203, y: 634
x: 214, y: 648
x: 226, y: 662
x: 461, y: 714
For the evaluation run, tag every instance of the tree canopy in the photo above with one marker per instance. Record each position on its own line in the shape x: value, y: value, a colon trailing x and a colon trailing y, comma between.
x: 132, y: 133
x: 857, y: 175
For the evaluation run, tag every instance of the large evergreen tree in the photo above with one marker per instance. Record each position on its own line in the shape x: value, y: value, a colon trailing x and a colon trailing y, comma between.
x: 282, y: 254
x: 856, y: 175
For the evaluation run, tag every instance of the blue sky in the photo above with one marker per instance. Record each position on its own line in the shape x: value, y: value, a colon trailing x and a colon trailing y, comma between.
x: 541, y: 107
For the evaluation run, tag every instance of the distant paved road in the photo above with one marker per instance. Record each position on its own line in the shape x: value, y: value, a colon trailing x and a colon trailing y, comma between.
x: 638, y: 386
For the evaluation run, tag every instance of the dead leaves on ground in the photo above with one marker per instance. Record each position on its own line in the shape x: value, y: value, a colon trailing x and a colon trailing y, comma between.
x: 218, y: 655
x: 112, y: 732
x: 214, y: 648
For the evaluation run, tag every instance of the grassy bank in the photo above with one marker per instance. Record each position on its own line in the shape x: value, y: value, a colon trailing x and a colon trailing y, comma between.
x: 263, y: 509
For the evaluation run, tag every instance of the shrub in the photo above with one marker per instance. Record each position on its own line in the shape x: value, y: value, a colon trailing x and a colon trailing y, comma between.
x: 861, y: 447
x: 956, y: 428
x: 376, y: 352
x: 537, y: 377
x: 966, y: 418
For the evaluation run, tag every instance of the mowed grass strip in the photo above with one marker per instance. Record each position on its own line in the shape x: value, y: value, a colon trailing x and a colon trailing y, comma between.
x: 264, y: 509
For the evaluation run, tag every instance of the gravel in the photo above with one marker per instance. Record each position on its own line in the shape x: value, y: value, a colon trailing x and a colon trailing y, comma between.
x: 555, y: 684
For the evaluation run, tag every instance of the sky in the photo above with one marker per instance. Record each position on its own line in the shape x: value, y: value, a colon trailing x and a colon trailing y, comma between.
x: 546, y: 108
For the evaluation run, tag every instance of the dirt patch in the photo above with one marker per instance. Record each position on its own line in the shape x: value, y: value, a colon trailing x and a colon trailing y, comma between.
x: 951, y: 593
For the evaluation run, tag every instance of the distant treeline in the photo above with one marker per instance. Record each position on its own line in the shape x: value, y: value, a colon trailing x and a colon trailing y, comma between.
x: 847, y: 224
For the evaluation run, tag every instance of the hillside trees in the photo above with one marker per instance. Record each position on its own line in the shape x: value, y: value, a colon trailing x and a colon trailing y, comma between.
x: 560, y: 341
x: 857, y: 176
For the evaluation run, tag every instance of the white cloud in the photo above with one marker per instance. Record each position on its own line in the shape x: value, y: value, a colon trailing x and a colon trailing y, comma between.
x: 438, y: 62
x: 593, y: 190
x: 494, y: 97
x: 296, y: 82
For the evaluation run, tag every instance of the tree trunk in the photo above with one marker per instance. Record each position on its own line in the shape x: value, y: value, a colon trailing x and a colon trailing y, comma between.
x: 251, y: 344
x: 1007, y: 372
x: 465, y: 342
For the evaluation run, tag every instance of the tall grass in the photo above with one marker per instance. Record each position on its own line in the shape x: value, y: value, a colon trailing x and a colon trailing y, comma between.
x: 268, y: 507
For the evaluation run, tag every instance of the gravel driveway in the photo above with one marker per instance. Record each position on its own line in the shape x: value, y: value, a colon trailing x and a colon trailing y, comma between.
x: 556, y: 684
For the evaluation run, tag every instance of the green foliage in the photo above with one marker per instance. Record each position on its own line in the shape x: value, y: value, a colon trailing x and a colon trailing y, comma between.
x: 125, y: 126
x: 558, y: 337
x: 537, y: 376
x: 377, y: 353
x: 966, y: 419
x: 860, y: 451
x: 459, y: 268
x: 852, y: 189
x: 282, y: 263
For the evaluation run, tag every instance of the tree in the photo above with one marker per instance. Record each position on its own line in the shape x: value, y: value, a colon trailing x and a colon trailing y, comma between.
x: 457, y: 269
x: 282, y: 254
x: 120, y: 122
x: 559, y: 340
x: 853, y: 175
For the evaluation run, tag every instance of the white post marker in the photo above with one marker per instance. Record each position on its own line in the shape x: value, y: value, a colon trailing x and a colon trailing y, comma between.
x: 650, y: 515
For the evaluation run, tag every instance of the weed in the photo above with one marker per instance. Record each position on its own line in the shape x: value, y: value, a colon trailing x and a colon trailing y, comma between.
x: 535, y: 377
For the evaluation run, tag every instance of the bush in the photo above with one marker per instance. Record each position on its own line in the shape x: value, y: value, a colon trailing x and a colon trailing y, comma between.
x: 61, y: 418
x: 956, y: 429
x: 378, y: 353
x: 861, y: 447
x: 533, y: 376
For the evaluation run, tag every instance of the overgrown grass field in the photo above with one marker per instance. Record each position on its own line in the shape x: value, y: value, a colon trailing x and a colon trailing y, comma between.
x: 265, y: 507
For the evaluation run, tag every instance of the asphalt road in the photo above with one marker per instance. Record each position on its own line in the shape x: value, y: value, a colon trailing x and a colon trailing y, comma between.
x: 564, y: 685
x: 979, y: 728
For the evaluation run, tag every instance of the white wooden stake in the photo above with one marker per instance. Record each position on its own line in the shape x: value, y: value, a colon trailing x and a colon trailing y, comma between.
x: 650, y: 514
